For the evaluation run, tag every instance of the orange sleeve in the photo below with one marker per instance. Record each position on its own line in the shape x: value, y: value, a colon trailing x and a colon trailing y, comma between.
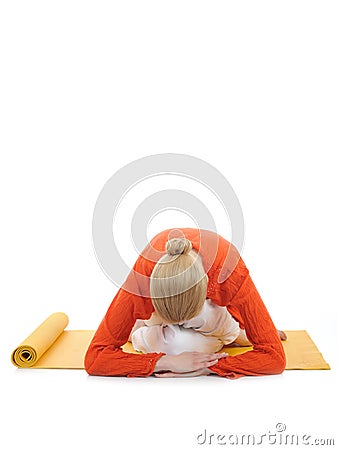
x: 267, y: 356
x: 104, y: 355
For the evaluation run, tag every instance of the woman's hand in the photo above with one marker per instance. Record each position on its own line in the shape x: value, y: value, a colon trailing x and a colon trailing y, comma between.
x: 195, y: 373
x: 188, y: 362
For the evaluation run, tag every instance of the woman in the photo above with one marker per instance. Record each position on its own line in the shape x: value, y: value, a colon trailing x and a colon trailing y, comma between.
x: 179, y: 296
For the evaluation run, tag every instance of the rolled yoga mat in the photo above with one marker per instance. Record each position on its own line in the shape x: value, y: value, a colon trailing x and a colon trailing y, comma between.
x: 37, y: 343
x: 50, y: 346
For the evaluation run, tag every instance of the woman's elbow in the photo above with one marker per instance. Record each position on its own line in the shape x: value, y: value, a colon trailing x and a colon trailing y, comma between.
x: 273, y: 360
x: 278, y: 363
x: 89, y: 369
x: 89, y: 362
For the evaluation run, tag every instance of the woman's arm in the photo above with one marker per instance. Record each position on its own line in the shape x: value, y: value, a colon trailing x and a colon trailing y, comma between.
x: 267, y: 356
x: 188, y: 362
x: 105, y: 356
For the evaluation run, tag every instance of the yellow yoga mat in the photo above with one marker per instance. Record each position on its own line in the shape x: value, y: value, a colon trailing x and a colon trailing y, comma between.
x: 42, y: 339
x: 50, y: 346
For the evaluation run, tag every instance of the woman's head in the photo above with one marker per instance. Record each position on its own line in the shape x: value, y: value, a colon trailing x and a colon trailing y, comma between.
x: 178, y: 283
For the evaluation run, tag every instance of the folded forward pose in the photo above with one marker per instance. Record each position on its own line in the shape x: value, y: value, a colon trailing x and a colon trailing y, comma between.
x: 188, y: 294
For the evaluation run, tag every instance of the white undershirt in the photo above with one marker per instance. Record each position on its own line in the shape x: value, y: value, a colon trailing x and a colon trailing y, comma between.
x: 208, y: 332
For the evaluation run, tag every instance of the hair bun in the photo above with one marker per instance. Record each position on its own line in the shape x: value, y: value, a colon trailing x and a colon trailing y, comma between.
x: 178, y: 246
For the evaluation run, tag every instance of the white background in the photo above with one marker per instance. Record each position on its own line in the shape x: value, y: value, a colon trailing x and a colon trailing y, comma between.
x: 88, y: 87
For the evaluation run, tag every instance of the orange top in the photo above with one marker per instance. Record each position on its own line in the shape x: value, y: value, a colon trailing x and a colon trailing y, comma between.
x: 238, y: 293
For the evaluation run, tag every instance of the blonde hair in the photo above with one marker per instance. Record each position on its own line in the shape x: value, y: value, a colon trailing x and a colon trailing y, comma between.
x: 178, y: 283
